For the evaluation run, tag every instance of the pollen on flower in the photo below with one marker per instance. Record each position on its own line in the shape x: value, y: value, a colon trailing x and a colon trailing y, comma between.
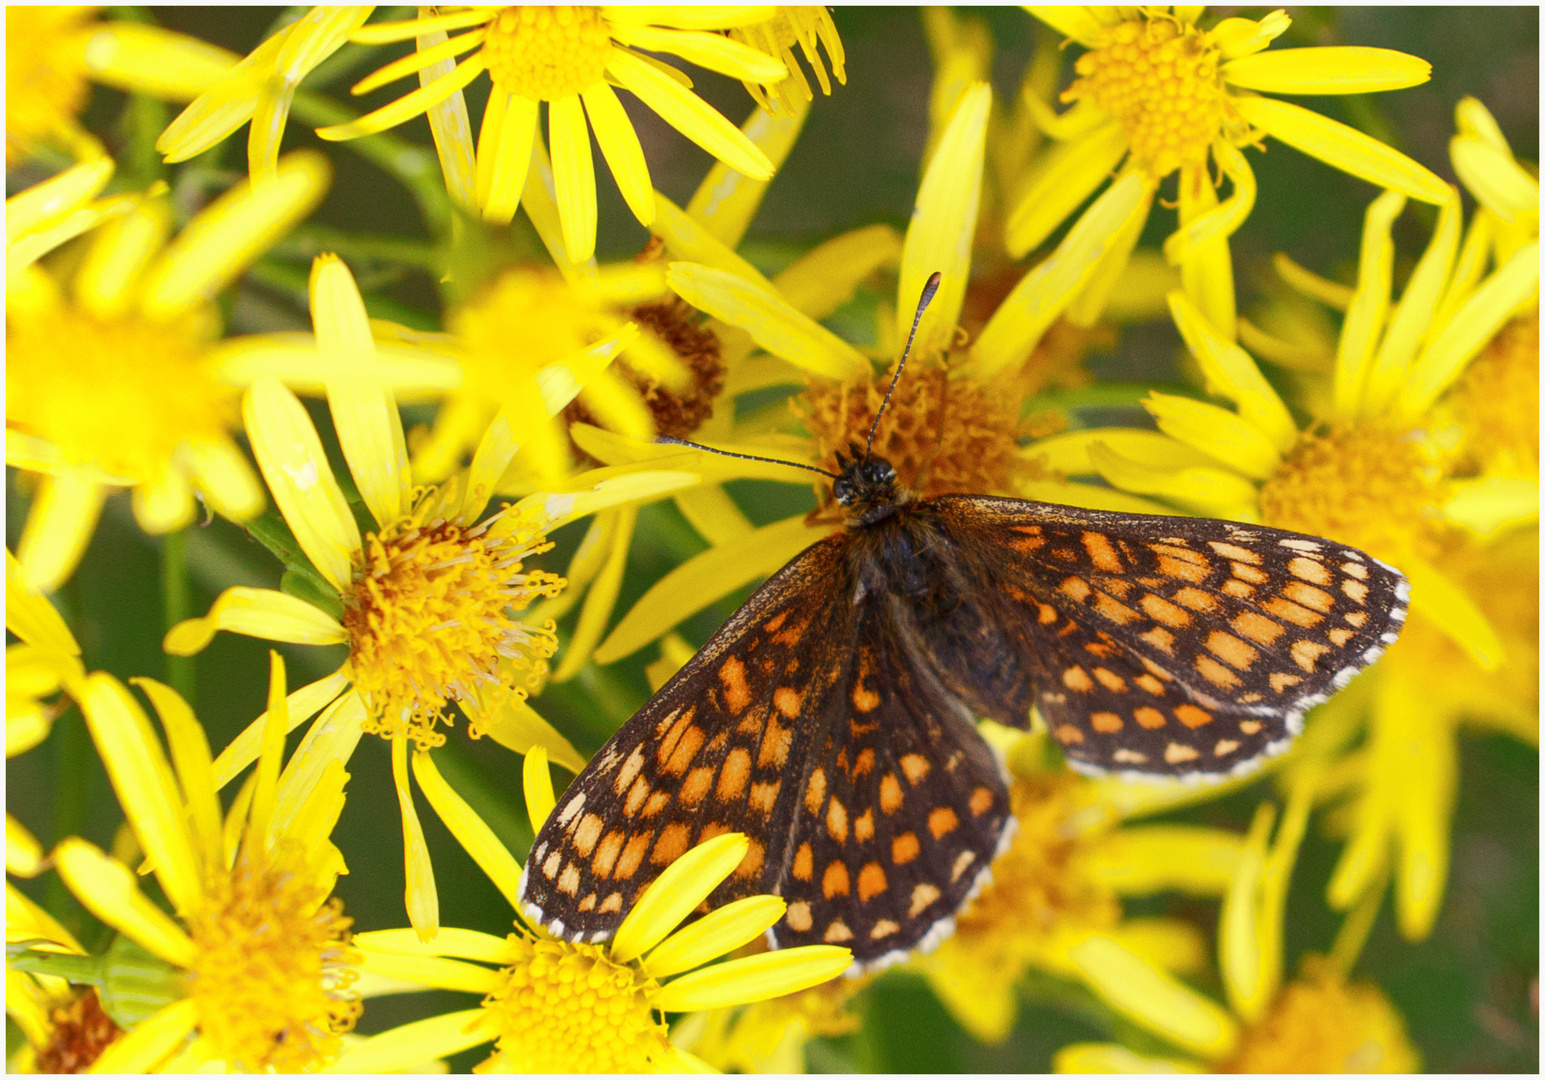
x: 1322, y: 1024
x: 1375, y: 487
x: 1159, y: 78
x: 568, y: 1008
x: 430, y: 620
x: 1498, y: 400
x: 131, y: 394
x: 80, y: 1032
x: 544, y: 53
x: 940, y: 434
x: 273, y: 977
x: 45, y: 75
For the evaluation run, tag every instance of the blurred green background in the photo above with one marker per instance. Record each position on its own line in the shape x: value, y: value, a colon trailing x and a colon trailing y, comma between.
x: 1469, y: 993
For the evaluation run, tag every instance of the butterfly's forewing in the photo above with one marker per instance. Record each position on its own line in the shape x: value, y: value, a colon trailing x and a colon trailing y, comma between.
x: 1175, y: 646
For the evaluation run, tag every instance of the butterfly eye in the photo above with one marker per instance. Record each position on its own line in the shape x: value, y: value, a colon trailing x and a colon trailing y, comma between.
x: 879, y: 473
x: 844, y: 491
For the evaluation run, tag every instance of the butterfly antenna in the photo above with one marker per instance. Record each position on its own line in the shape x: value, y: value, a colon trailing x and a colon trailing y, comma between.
x: 931, y: 287
x: 744, y: 457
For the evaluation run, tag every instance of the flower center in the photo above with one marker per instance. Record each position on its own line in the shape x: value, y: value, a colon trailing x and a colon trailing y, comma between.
x: 544, y: 53
x: 273, y: 975
x: 1373, y: 487
x: 45, y: 75
x: 1498, y: 400
x: 429, y: 620
x: 526, y: 320
x: 568, y: 1008
x: 1320, y: 1024
x: 940, y: 434
x: 81, y: 1031
x: 1159, y: 78
x: 123, y: 394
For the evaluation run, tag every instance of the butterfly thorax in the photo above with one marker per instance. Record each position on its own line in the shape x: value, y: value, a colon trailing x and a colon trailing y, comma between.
x: 868, y: 488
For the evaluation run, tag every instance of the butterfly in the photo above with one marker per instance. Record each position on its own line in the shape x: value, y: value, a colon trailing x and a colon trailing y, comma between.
x: 832, y: 719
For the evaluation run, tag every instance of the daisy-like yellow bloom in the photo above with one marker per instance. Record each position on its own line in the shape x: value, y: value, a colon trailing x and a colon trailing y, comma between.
x: 428, y: 603
x: 570, y: 57
x: 1319, y: 1021
x: 44, y: 660
x: 555, y: 1006
x: 1156, y: 94
x: 811, y: 28
x: 254, y: 967
x: 54, y: 54
x: 140, y: 399
x: 259, y: 89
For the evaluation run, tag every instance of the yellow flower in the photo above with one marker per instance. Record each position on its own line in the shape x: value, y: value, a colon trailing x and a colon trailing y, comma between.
x: 808, y: 27
x: 260, y: 89
x: 44, y: 661
x: 770, y: 1036
x: 144, y: 400
x: 54, y: 54
x: 1319, y: 1021
x: 1155, y: 89
x: 556, y: 1006
x: 570, y: 57
x: 427, y: 603
x: 253, y: 970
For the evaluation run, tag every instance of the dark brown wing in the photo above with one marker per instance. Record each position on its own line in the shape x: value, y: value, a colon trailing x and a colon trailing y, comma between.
x: 1171, y: 646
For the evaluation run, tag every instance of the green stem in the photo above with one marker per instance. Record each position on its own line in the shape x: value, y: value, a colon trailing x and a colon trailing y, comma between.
x: 176, y: 605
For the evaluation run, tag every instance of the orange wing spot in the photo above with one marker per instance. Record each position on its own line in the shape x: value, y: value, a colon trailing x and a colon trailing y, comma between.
x: 1149, y: 717
x: 772, y: 624
x: 915, y: 766
x: 798, y: 917
x: 1149, y: 683
x: 1068, y: 735
x: 764, y: 795
x: 890, y: 793
x: 1161, y: 610
x: 686, y: 749
x: 1175, y: 754
x: 1027, y: 545
x: 963, y: 860
x: 1257, y: 627
x: 1192, y: 716
x: 923, y: 894
x: 1184, y: 554
x: 865, y: 700
x: 1358, y: 619
x: 871, y: 880
x: 941, y: 820
x: 1251, y: 727
x: 981, y: 801
x: 1305, y: 653
x: 1102, y: 553
x: 1355, y: 591
x: 732, y: 675
x: 1155, y: 670
x: 1234, y: 551
x: 837, y: 932
x: 804, y: 863
x: 1288, y: 611
x: 568, y: 881
x: 1237, y: 589
x: 733, y: 775
x: 1160, y: 639
x: 1076, y: 588
x: 1231, y: 650
x: 1225, y: 747
x: 587, y: 834
x: 1215, y: 673
x: 863, y: 826
x: 671, y: 846
x: 1123, y: 756
x: 696, y: 785
x: 633, y: 854
x: 1340, y: 636
x: 1045, y: 614
x: 550, y: 867
x: 751, y: 865
x: 790, y: 637
x: 588, y: 903
x: 837, y: 821
x: 1311, y: 570
x: 905, y: 848
x: 1357, y: 570
x: 788, y: 701
x: 1253, y: 574
x: 834, y: 882
x: 1076, y: 678
x: 1309, y: 596
x: 815, y: 790
x: 711, y: 830
x: 610, y: 904
x: 636, y: 796
x: 1106, y: 722
x: 883, y: 928
x: 1114, y: 610
x: 629, y: 770
x: 863, y: 765
x: 1196, y: 599
x: 606, y: 853
x: 657, y: 802
x: 775, y: 744
x: 1181, y: 571
x: 1028, y: 530
x: 1110, y: 680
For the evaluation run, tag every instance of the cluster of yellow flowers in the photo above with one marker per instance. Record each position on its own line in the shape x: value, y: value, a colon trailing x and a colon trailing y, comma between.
x: 211, y: 936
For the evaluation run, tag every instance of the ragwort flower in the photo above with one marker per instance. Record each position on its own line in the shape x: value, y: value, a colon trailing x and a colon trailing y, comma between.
x: 570, y: 57
x: 557, y: 1006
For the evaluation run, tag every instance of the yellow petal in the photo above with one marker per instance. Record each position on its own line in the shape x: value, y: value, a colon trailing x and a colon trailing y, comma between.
x: 432, y: 971
x: 30, y: 616
x: 1217, y: 432
x: 519, y: 727
x: 559, y: 508
x: 152, y: 1041
x: 707, y: 50
x: 1087, y: 1058
x: 1138, y: 860
x: 1428, y: 759
x: 59, y: 525
x: 755, y: 978
x: 1497, y: 181
x: 190, y: 754
x: 1059, y: 183
x: 574, y: 175
x: 302, y: 705
x: 1492, y: 504
x: 1069, y: 452
x: 1370, y: 301
x: 680, y: 887
x: 1330, y: 69
x: 222, y: 474
x: 1244, y: 37
x: 1083, y: 24
x: 505, y: 147
x: 726, y: 201
x: 622, y: 150
x: 1445, y: 605
x: 1231, y: 373
x: 109, y: 891
x: 599, y: 601
x: 262, y: 613
x: 1155, y: 1000
x: 689, y: 114
x: 423, y: 1040
x: 423, y: 900
x: 537, y: 784
x: 688, y: 240
x: 45, y: 202
x: 713, y: 935
x: 409, y: 105
x: 825, y: 277
x: 470, y: 831
x: 1208, y: 490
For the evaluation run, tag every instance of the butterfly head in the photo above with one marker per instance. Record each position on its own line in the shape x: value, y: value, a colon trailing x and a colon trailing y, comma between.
x: 866, y: 485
